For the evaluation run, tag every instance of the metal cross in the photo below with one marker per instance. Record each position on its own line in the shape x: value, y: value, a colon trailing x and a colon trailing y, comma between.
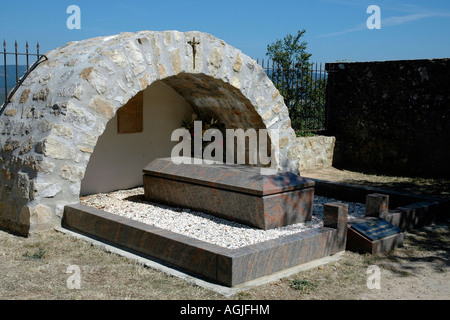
x: 193, y: 44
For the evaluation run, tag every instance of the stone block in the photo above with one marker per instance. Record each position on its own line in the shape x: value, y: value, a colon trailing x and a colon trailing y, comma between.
x: 335, y: 215
x: 379, y: 237
x: 42, y: 94
x: 233, y: 192
x: 377, y: 205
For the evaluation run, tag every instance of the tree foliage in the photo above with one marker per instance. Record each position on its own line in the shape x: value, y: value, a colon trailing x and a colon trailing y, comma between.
x: 303, y: 93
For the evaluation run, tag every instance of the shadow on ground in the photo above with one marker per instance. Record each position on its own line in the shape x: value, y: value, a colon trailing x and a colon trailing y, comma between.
x: 425, y: 246
x: 417, y: 185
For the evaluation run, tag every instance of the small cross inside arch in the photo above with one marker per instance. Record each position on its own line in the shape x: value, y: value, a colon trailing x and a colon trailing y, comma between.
x: 194, y: 44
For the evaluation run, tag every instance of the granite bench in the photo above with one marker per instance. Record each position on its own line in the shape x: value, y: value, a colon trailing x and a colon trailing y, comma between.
x: 233, y: 192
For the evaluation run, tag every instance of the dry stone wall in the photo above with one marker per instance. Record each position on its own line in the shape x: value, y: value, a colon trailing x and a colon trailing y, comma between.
x: 51, y: 127
x: 391, y: 116
x: 313, y: 153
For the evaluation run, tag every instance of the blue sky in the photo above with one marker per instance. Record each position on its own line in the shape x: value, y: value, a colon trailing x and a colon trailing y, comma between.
x: 335, y: 29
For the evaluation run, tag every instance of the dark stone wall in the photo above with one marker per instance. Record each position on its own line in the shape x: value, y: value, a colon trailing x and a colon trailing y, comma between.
x: 391, y: 117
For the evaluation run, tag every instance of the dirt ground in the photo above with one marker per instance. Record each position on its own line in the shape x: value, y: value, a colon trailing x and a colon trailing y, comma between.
x: 38, y: 267
x: 42, y: 267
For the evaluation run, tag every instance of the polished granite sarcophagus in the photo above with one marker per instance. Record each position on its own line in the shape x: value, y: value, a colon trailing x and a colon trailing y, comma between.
x: 233, y: 192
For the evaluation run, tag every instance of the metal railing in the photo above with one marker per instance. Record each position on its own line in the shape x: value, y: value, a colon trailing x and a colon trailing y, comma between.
x: 303, y: 86
x: 19, y: 70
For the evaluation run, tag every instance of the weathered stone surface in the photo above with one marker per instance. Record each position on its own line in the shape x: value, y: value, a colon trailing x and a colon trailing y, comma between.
x: 72, y: 90
x: 72, y: 173
x: 44, y: 126
x: 22, y: 129
x: 95, y: 79
x: 176, y: 60
x: 267, y: 114
x: 90, y: 140
x: 391, y: 116
x: 62, y: 131
x: 80, y: 118
x: 85, y: 149
x: 283, y: 142
x: 155, y: 46
x: 42, y: 94
x: 22, y: 187
x: 10, y: 145
x: 25, y: 95
x: 7, y: 174
x: 144, y: 81
x: 27, y: 146
x: 238, y: 63
x: 215, y: 61
x: 102, y: 106
x: 40, y: 214
x: 32, y: 113
x: 46, y: 78
x: 313, y: 152
x: 45, y: 190
x: 38, y: 164
x: 162, y: 70
x: 72, y: 63
x: 235, y: 82
x: 56, y: 149
x: 117, y: 57
x: 11, y: 112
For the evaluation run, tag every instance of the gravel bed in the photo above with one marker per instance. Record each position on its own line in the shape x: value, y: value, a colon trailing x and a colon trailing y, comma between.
x: 131, y: 204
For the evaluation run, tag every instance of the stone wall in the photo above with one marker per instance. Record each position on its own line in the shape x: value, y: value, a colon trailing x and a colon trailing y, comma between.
x: 313, y: 152
x: 391, y: 117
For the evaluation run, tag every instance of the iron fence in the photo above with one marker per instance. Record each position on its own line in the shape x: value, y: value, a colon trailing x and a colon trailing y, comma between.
x: 303, y: 86
x: 16, y: 66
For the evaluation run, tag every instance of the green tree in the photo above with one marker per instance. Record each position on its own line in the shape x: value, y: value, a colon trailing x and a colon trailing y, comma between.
x: 303, y: 93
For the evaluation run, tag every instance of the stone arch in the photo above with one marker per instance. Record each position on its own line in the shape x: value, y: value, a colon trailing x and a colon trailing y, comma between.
x: 50, y: 129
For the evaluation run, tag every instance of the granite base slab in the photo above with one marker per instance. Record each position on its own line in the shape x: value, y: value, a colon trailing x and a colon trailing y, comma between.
x: 228, y: 267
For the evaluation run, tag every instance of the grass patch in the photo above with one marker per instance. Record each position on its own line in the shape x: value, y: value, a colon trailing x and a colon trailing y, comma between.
x: 303, y: 285
x: 36, y: 255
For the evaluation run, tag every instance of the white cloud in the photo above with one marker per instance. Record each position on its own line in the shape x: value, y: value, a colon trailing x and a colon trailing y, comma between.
x: 393, y: 21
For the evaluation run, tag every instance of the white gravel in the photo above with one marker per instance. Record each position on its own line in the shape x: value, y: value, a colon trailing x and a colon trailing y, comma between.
x: 131, y: 204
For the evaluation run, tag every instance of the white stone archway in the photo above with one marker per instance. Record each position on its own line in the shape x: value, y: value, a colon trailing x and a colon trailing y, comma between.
x: 51, y: 128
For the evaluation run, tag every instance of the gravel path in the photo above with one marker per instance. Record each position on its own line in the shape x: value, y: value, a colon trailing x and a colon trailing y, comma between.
x: 131, y: 204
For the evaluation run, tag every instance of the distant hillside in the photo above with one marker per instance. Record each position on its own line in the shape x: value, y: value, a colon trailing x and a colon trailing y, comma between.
x: 11, y: 76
